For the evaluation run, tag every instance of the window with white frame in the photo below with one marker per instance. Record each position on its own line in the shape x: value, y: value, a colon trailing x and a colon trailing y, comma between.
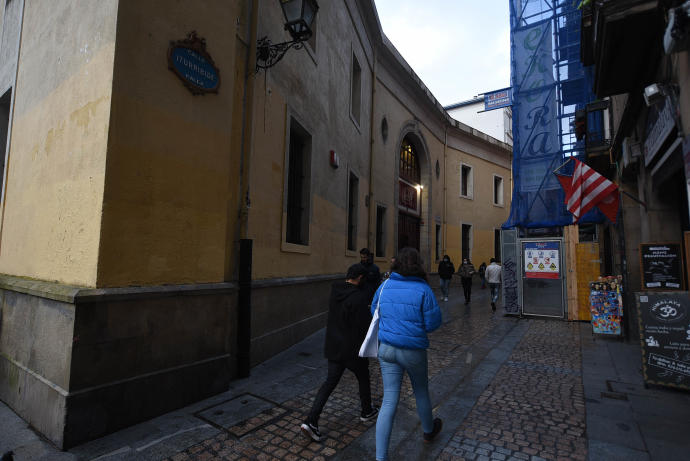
x: 5, y: 101
x: 298, y: 185
x: 466, y: 181
x: 498, y: 190
x: 356, y: 90
x: 466, y: 241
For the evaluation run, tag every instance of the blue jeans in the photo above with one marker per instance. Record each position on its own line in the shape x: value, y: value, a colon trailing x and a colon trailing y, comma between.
x: 394, y: 362
x: 445, y: 284
x: 495, y: 290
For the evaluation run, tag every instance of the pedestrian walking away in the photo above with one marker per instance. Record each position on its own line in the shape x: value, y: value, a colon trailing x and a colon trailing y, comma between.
x: 446, y: 269
x: 493, y: 277
x: 482, y: 273
x: 466, y: 272
x: 348, y: 321
x: 372, y: 277
x: 408, y: 311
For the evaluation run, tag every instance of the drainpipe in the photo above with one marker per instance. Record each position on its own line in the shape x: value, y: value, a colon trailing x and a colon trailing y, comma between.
x: 370, y: 201
x: 244, y: 268
x: 445, y: 192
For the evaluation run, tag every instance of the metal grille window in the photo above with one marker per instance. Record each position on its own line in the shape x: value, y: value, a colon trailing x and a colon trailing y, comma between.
x: 297, y: 226
x: 353, y: 193
x: 409, y: 165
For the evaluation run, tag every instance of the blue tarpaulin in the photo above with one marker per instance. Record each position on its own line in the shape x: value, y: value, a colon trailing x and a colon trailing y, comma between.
x: 548, y: 86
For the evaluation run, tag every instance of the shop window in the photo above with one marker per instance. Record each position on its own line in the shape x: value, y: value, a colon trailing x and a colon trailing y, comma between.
x: 298, y: 191
x: 380, y: 231
x: 466, y: 241
x: 498, y: 190
x: 356, y: 90
x: 466, y: 181
x: 352, y: 194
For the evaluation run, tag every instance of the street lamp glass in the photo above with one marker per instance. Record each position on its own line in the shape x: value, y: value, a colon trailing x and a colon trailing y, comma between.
x: 299, y: 15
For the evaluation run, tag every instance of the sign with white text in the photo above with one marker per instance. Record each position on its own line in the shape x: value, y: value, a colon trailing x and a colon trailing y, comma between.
x: 665, y: 337
x: 661, y: 265
x: 498, y: 99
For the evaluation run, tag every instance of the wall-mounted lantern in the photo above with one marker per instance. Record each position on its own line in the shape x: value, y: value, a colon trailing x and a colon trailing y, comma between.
x: 299, y: 18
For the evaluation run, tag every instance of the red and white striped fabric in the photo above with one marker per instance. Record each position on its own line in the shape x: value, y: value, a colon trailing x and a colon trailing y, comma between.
x: 586, y: 189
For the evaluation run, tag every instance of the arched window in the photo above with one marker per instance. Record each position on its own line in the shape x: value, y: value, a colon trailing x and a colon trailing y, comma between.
x: 409, y: 163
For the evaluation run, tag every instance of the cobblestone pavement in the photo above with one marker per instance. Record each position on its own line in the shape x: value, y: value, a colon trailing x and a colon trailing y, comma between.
x: 534, y: 408
x: 274, y: 434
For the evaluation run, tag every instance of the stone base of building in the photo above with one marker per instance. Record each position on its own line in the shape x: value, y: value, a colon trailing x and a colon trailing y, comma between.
x: 80, y: 363
x: 287, y: 310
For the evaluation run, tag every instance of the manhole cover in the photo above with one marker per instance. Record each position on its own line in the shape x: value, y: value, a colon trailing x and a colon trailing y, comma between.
x: 236, y: 411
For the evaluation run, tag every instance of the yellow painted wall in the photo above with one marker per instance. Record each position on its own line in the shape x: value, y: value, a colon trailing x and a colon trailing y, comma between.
x: 52, y: 208
x: 479, y: 211
x: 170, y: 196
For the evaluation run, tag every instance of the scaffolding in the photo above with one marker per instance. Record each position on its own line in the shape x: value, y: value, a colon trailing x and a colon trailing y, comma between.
x: 564, y: 91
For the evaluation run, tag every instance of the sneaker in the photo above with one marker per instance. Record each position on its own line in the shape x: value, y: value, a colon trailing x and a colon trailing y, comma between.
x: 312, y: 431
x: 445, y: 299
x: 429, y: 436
x: 364, y: 417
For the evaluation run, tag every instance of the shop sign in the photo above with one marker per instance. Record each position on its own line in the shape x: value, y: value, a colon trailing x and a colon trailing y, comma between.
x: 665, y: 338
x: 541, y: 260
x: 189, y: 60
x: 661, y: 266
x: 660, y: 123
x: 408, y: 199
x: 498, y: 99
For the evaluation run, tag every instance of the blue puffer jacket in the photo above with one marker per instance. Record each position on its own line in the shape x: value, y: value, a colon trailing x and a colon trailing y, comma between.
x: 408, y: 311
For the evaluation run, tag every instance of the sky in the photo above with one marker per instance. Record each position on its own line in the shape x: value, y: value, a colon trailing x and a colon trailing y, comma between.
x: 459, y: 48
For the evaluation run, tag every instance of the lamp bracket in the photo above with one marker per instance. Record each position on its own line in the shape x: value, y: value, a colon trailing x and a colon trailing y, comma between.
x: 268, y: 54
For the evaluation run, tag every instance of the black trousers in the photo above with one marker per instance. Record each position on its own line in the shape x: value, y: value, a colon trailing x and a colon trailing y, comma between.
x: 360, y: 367
x: 467, y: 287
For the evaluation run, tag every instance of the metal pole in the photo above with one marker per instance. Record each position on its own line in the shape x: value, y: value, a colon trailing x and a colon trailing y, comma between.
x: 244, y: 309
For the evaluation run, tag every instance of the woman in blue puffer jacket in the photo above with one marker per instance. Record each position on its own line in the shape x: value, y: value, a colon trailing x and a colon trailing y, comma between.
x: 407, y: 312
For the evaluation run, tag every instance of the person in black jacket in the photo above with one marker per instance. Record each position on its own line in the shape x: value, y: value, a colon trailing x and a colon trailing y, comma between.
x: 446, y: 269
x: 372, y: 277
x: 348, y: 322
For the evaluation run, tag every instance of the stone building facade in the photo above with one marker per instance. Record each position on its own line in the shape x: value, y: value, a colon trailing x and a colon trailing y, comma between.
x: 125, y: 196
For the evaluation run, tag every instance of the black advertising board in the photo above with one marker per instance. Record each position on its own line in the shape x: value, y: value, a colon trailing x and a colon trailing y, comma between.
x: 665, y: 337
x: 662, y: 266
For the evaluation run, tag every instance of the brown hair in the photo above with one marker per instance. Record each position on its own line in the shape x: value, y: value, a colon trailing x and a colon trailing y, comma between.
x: 408, y: 262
